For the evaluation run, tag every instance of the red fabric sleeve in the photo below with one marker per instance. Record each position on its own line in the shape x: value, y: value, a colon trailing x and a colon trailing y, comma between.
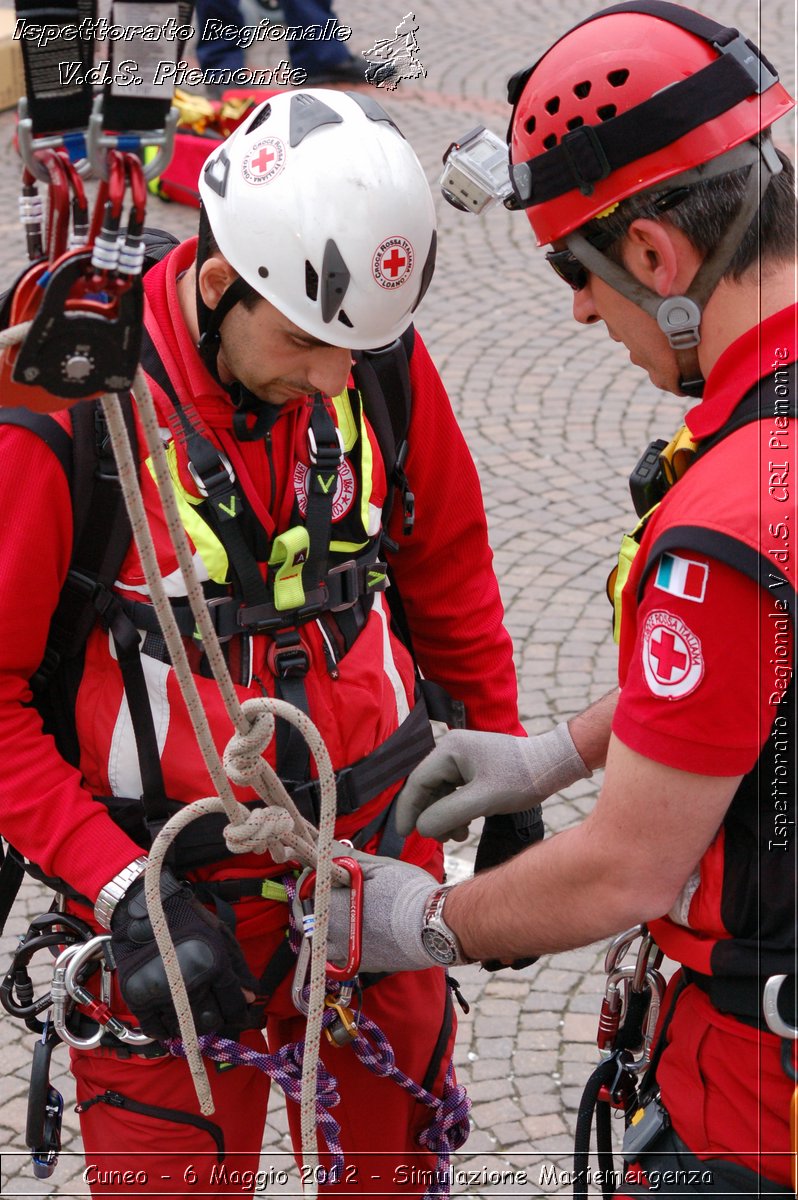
x: 46, y: 813
x: 444, y: 569
x: 705, y: 676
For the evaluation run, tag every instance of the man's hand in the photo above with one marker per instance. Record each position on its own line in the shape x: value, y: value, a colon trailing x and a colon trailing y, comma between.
x: 210, y: 958
x: 472, y: 774
x: 394, y: 896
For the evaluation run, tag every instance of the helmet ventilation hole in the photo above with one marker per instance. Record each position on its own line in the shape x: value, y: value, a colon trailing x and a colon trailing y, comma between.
x: 618, y: 78
x: 311, y: 282
x: 606, y: 112
x: 259, y: 118
x: 550, y: 141
x: 529, y: 124
x: 344, y: 319
x: 574, y: 123
x: 552, y: 106
x: 581, y: 90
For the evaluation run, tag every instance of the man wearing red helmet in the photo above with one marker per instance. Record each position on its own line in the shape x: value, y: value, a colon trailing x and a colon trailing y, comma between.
x: 641, y: 150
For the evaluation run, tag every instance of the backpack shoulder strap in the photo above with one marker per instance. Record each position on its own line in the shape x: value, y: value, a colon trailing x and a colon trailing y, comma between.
x: 727, y: 549
x: 46, y: 428
x: 383, y: 379
x: 388, y: 406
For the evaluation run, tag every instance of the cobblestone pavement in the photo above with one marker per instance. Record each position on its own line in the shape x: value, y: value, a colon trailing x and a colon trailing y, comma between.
x: 555, y: 417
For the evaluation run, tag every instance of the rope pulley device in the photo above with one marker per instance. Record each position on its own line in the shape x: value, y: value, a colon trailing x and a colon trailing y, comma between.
x: 85, y: 338
x: 85, y: 299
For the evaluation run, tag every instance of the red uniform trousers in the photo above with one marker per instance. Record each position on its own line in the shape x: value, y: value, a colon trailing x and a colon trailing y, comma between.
x: 379, y: 1120
x: 725, y: 1090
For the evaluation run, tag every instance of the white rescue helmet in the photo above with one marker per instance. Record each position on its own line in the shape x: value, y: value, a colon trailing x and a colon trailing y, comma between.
x: 319, y: 202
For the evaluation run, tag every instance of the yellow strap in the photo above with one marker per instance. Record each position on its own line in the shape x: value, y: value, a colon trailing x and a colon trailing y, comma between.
x: 272, y: 890
x: 345, y: 420
x: 678, y: 455
x: 290, y: 551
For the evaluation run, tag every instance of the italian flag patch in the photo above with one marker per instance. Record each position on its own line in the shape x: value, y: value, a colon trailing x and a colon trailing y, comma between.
x: 682, y: 577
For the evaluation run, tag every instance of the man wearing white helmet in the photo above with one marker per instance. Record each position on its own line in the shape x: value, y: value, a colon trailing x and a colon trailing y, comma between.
x: 299, y: 478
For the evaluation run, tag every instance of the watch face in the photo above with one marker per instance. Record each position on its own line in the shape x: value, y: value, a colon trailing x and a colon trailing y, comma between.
x: 438, y: 945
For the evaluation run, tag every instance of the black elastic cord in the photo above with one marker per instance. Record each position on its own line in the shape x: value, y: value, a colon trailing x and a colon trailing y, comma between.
x: 117, y: 1100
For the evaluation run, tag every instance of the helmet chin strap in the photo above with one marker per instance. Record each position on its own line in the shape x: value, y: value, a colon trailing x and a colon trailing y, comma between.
x: 679, y: 317
x: 209, y: 320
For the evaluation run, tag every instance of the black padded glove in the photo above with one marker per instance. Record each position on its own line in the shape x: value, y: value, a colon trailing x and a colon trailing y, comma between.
x: 211, y: 962
x: 504, y: 836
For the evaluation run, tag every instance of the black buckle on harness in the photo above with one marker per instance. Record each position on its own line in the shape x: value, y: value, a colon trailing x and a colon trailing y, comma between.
x: 307, y: 796
x: 342, y: 579
x: 329, y: 455
x: 586, y: 157
x: 287, y: 657
x: 211, y: 480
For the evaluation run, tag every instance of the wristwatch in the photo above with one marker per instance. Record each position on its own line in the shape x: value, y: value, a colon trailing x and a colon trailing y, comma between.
x: 114, y: 890
x: 436, y: 936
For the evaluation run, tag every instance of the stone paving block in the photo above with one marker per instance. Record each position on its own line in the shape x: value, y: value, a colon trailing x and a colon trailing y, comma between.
x: 534, y: 1062
x: 490, y: 1068
x: 491, y: 1113
x: 579, y: 1028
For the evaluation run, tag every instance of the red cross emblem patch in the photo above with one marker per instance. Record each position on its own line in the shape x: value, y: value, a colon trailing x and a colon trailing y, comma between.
x: 393, y: 262
x: 264, y: 161
x: 673, y: 663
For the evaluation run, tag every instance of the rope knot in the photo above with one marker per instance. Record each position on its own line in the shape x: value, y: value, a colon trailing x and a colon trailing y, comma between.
x: 262, y: 832
x: 243, y: 759
x: 450, y: 1126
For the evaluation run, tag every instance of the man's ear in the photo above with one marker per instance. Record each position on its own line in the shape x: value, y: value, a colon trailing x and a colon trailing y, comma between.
x: 660, y: 256
x: 215, y: 277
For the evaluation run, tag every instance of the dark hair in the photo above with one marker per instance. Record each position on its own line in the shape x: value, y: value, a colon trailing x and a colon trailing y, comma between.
x: 705, y: 211
x: 250, y: 297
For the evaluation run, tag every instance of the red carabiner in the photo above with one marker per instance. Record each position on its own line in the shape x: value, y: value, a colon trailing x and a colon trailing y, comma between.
x: 352, y: 964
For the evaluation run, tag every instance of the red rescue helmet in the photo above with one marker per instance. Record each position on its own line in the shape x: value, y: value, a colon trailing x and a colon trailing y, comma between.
x: 633, y: 96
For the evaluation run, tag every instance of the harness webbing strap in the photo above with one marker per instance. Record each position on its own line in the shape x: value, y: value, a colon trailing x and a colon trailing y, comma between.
x: 389, y: 762
x: 56, y: 103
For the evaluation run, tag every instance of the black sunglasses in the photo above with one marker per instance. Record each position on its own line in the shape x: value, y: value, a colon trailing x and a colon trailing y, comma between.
x: 568, y: 267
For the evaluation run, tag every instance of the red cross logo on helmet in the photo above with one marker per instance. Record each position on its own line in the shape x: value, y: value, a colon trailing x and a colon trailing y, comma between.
x: 264, y: 161
x: 393, y: 262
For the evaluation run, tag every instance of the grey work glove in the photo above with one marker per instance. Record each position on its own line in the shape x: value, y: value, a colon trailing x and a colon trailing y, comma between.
x: 471, y: 774
x: 394, y: 896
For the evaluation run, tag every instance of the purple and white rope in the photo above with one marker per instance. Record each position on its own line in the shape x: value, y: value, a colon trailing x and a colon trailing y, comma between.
x: 285, y: 1068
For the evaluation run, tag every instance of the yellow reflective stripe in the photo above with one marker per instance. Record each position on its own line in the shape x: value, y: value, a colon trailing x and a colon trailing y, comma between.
x: 366, y: 475
x: 290, y: 549
x: 630, y: 544
x: 618, y: 578
x: 207, y: 545
x: 347, y: 547
x: 345, y: 419
x: 349, y: 434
